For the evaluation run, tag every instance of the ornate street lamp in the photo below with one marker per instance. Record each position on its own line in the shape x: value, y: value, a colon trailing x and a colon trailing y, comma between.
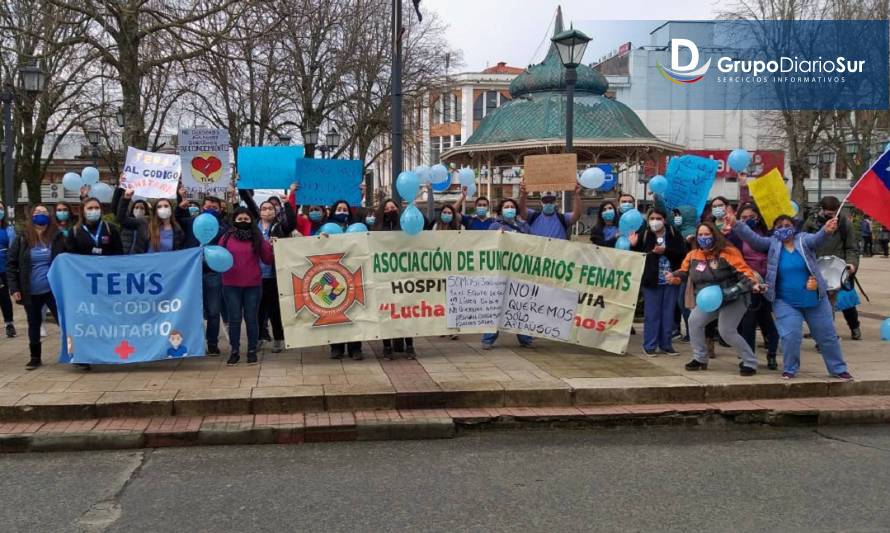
x: 119, y: 117
x: 33, y: 78
x: 92, y: 135
x: 332, y: 140
x: 571, y: 45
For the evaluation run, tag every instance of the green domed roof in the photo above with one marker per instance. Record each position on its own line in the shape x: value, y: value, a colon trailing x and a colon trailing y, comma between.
x: 549, y: 75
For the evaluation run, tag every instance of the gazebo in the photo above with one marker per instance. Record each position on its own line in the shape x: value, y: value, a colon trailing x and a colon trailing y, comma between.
x: 533, y: 122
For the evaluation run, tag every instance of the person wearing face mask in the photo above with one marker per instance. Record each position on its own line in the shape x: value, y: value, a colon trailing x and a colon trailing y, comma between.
x: 798, y: 291
x: 448, y: 219
x: 664, y: 250
x: 63, y: 218
x: 340, y: 214
x: 549, y: 222
x: 243, y: 283
x: 388, y: 220
x: 132, y: 212
x: 157, y: 233
x: 273, y: 227
x: 94, y: 236
x: 760, y: 310
x: 316, y: 215
x: 7, y: 236
x: 715, y: 262
x: 508, y: 221
x: 28, y: 262
x: 844, y: 244
x: 605, y: 232
x: 194, y: 209
x: 480, y: 219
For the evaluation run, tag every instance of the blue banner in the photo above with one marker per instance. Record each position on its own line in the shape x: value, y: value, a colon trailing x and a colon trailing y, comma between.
x: 324, y: 181
x: 129, y: 309
x: 267, y: 167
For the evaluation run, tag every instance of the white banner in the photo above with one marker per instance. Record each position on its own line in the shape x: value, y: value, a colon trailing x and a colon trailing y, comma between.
x: 204, y: 155
x: 151, y: 175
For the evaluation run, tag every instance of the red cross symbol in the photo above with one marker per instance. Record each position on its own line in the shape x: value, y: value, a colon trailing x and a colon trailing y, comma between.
x: 124, y: 349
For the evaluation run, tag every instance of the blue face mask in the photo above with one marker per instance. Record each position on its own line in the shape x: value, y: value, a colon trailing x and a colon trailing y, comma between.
x: 678, y: 221
x: 609, y: 215
x: 193, y: 210
x: 92, y: 215
x: 341, y: 217
x: 549, y: 209
x: 784, y: 233
x: 212, y: 211
x: 481, y: 212
x: 370, y: 221
x: 447, y: 218
x: 315, y: 216
x: 751, y: 223
x: 718, y: 212
x: 40, y: 220
x: 706, y: 243
x: 62, y: 216
x: 626, y: 206
x: 509, y: 213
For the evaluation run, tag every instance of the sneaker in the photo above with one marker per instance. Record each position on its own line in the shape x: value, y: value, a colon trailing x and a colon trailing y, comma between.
x: 277, y: 346
x: 43, y: 331
x: 856, y: 333
x: 845, y: 376
x: 695, y: 365
x: 670, y: 351
x: 33, y: 363
x: 410, y: 353
x: 746, y: 371
x: 10, y: 331
x: 213, y: 350
x: 251, y: 358
x: 487, y: 346
x: 233, y: 359
x: 650, y: 353
x: 787, y: 375
x: 526, y: 345
x: 771, y: 362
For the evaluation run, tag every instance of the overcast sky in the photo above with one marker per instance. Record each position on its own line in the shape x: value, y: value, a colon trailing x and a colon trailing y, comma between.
x: 488, y: 31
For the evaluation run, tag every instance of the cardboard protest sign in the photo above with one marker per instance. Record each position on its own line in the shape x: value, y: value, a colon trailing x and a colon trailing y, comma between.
x: 557, y: 172
x: 151, y: 175
x: 267, y: 167
x: 129, y: 308
x: 324, y: 181
x: 771, y: 196
x: 368, y: 286
x: 690, y: 179
x: 204, y: 157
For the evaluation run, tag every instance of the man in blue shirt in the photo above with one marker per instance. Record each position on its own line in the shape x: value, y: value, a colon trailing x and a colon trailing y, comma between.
x: 549, y: 222
x: 480, y: 219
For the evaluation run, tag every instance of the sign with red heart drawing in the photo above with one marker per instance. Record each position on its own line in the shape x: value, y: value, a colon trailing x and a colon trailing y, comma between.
x: 204, y: 156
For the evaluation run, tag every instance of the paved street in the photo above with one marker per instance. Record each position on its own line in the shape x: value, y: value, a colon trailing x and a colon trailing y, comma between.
x: 810, y: 480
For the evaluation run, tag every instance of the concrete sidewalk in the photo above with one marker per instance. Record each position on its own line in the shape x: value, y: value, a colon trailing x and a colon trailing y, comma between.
x: 447, y: 374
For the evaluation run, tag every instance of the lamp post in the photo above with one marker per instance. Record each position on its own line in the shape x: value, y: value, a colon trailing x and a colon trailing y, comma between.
x: 284, y: 140
x: 826, y: 158
x: 332, y: 140
x: 33, y: 81
x: 93, y: 139
x: 571, y: 45
x: 119, y: 118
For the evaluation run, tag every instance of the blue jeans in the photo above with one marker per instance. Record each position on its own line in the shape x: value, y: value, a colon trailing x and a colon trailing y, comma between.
x: 659, y: 305
x: 789, y: 322
x: 489, y: 338
x: 212, y: 285
x: 243, y: 301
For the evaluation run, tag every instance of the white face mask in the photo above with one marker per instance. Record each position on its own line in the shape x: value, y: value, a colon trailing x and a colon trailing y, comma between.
x: 163, y: 213
x: 139, y: 212
x: 656, y: 225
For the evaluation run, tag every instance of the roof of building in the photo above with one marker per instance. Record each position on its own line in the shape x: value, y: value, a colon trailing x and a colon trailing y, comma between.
x: 503, y: 68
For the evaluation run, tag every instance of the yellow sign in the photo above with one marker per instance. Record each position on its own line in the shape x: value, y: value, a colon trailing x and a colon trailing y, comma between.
x: 771, y: 196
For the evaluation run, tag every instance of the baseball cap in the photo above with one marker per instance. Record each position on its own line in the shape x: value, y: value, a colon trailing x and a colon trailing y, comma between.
x: 548, y: 195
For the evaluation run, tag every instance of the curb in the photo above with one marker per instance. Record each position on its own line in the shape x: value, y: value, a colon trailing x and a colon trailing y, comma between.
x: 297, y: 428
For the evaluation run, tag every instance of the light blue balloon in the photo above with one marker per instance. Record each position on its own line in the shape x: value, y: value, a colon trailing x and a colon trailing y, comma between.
x: 439, y: 173
x: 218, y: 258
x: 592, y: 178
x: 658, y: 184
x: 330, y: 228
x: 885, y: 330
x: 710, y: 298
x: 467, y: 177
x: 205, y: 228
x: 471, y: 190
x: 408, y: 184
x: 358, y: 227
x: 90, y: 175
x: 72, y: 181
x: 739, y: 159
x: 630, y: 222
x: 412, y: 220
x: 623, y: 243
x: 423, y: 172
x: 102, y: 192
x: 442, y: 186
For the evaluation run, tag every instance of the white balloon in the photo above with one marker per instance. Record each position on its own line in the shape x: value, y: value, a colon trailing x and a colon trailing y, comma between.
x: 438, y: 174
x: 592, y: 178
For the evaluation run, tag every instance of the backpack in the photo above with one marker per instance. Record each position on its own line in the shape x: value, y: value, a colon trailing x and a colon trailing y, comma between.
x: 559, y: 215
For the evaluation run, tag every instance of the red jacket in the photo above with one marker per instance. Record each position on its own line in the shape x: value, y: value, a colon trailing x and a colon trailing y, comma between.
x: 245, y: 271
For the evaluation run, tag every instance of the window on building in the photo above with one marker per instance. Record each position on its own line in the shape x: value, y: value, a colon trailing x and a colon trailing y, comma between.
x: 479, y: 108
x: 458, y: 112
x: 437, y: 111
x: 456, y: 141
x: 446, y: 100
x: 435, y: 149
x: 446, y: 143
x: 491, y: 102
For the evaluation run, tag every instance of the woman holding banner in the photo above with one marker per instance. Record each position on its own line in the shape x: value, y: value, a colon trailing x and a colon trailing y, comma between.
x: 388, y: 220
x: 28, y: 263
x: 160, y: 232
x: 7, y: 237
x: 713, y: 262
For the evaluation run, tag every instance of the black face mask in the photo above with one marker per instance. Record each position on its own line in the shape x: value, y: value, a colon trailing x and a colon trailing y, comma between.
x: 242, y: 225
x: 390, y: 216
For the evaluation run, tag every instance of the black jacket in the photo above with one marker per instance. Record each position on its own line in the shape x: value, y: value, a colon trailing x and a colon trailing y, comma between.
x: 142, y: 238
x: 18, y: 264
x: 675, y: 251
x: 598, y: 237
x: 80, y: 240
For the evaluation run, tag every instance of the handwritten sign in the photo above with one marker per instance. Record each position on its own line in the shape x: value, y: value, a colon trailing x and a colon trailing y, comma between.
x: 690, y: 179
x: 538, y: 310
x: 558, y: 172
x: 151, y: 175
x: 324, y: 181
x: 771, y: 196
x: 474, y: 301
x: 204, y: 157
x: 267, y: 167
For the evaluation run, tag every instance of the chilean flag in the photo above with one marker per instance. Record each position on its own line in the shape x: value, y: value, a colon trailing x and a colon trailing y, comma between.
x: 871, y: 193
